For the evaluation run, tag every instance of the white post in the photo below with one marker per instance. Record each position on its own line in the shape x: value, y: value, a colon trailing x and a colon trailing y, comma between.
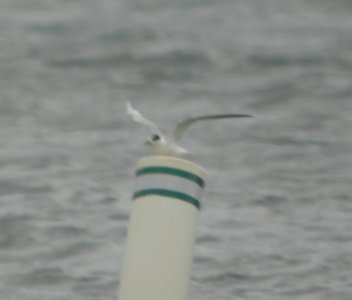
x: 161, y: 231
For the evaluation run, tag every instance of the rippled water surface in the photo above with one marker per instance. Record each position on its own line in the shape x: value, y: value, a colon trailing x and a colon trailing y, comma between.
x: 276, y: 219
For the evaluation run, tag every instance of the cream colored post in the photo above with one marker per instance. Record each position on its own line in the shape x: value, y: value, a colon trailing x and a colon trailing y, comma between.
x: 161, y: 230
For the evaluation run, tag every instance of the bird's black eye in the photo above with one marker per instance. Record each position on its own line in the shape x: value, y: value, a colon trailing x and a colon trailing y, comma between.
x: 155, y: 137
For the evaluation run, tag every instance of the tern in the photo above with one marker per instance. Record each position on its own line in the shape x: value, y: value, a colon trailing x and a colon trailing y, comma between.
x: 168, y: 146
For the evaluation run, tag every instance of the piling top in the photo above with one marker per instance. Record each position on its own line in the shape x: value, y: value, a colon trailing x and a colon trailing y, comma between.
x: 170, y: 177
x: 172, y: 162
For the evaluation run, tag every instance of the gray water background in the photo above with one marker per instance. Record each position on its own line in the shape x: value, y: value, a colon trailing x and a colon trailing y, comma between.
x: 276, y: 221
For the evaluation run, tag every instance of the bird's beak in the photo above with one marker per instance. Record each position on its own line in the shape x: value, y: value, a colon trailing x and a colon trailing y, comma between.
x: 147, y: 143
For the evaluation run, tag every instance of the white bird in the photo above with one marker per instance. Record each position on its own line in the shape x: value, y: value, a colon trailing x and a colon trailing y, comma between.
x: 167, y: 146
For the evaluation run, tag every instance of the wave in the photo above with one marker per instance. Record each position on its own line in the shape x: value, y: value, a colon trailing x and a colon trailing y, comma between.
x: 174, y: 57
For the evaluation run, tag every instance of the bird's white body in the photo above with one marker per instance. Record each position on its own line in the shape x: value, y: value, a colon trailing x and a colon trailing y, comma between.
x: 167, y: 146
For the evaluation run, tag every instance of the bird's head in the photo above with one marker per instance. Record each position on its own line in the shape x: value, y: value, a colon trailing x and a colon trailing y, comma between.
x: 155, y: 140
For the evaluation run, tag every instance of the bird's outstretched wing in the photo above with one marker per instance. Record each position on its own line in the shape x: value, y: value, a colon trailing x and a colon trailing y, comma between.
x: 137, y: 117
x: 183, y: 125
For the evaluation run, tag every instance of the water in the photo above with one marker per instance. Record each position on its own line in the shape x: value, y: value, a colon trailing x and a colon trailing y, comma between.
x: 276, y: 222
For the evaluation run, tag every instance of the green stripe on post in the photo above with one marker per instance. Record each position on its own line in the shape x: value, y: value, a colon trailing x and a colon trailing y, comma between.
x: 171, y: 171
x: 167, y: 193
